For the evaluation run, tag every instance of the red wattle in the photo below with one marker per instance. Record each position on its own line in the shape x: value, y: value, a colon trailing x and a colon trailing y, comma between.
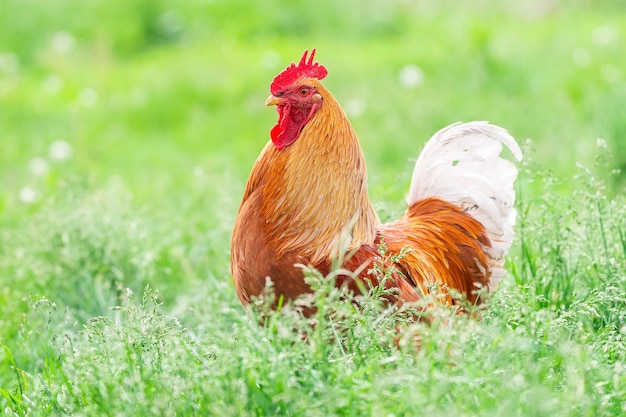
x: 291, y: 121
x: 286, y: 130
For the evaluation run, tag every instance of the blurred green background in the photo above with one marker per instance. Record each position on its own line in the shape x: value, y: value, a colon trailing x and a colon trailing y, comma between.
x: 131, y: 126
x: 148, y: 90
x: 127, y: 132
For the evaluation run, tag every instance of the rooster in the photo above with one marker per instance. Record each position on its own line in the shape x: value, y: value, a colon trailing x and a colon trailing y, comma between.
x: 306, y: 203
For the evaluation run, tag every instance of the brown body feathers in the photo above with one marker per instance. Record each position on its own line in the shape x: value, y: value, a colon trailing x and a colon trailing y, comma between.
x: 306, y: 202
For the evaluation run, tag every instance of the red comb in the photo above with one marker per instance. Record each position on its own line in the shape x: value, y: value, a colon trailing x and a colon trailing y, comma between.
x: 305, y: 68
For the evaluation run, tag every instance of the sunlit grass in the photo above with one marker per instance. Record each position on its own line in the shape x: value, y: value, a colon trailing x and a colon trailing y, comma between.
x: 127, y: 131
x: 551, y: 341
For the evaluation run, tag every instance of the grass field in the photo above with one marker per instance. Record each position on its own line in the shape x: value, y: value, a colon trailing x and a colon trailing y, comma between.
x: 128, y: 129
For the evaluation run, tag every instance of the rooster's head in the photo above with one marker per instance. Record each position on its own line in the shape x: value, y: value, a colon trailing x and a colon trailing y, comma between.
x: 296, y: 97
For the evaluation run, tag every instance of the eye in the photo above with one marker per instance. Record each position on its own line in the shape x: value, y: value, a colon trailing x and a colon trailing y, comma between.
x: 303, y: 91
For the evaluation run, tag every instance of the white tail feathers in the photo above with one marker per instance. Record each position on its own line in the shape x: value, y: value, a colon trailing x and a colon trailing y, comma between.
x: 462, y: 165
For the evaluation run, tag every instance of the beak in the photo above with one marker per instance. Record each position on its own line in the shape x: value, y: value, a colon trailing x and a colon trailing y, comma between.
x: 272, y: 100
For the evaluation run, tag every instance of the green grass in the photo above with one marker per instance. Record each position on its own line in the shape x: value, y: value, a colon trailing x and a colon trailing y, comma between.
x: 115, y: 287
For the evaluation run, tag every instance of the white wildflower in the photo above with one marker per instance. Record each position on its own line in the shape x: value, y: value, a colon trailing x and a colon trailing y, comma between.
x: 60, y: 150
x: 38, y: 166
x: 355, y: 107
x: 88, y: 97
x: 411, y: 76
x: 52, y: 84
x: 27, y: 195
x: 604, y: 35
x: 63, y: 42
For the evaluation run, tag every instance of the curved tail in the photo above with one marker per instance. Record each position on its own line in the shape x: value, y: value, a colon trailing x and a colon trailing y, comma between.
x: 462, y: 165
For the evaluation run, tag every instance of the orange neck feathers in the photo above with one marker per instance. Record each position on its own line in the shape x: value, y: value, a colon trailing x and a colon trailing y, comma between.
x: 315, y: 200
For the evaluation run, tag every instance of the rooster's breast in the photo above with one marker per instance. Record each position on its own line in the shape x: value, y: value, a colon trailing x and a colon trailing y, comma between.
x: 254, y: 259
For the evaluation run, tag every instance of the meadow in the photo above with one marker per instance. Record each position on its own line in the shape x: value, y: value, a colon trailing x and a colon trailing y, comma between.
x: 127, y: 132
